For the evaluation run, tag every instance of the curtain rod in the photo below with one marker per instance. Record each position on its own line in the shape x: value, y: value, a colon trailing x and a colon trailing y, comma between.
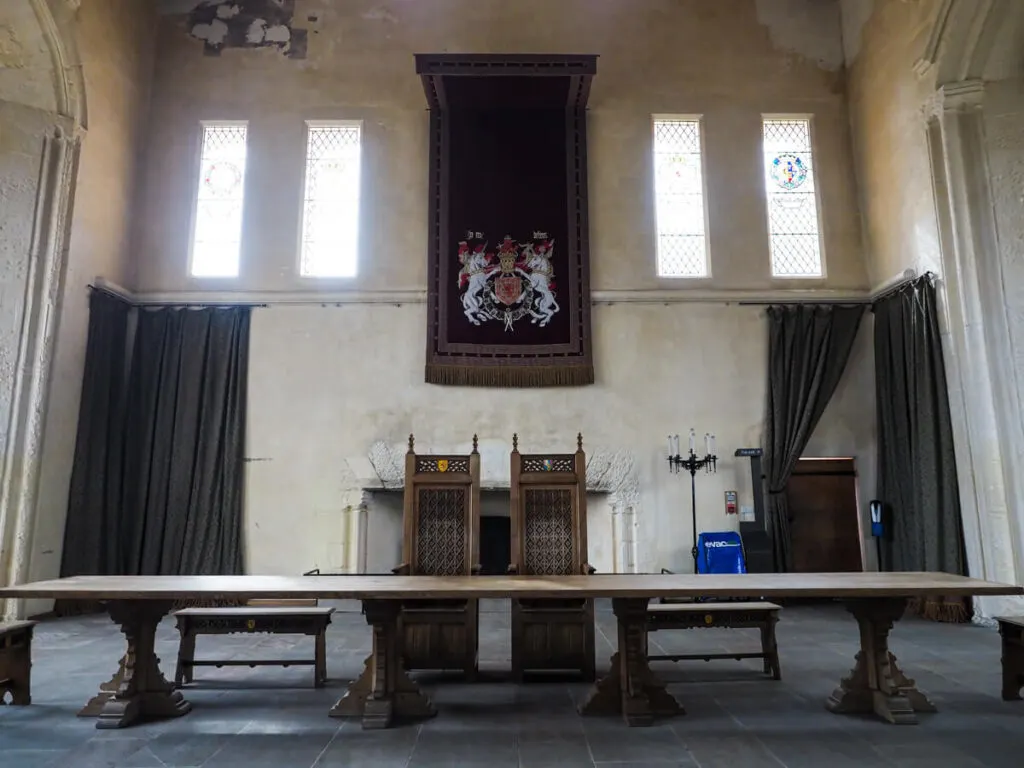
x: 901, y: 284
x: 866, y: 301
x: 811, y: 302
x: 182, y: 304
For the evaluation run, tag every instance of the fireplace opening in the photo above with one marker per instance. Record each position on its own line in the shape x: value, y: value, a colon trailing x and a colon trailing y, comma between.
x: 495, y: 545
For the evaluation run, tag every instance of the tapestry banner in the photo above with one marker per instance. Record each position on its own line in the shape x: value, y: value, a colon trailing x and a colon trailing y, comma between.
x: 508, y: 295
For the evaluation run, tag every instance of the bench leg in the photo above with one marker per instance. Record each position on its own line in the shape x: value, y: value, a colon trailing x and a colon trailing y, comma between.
x: 630, y: 688
x: 383, y: 691
x: 320, y: 659
x: 144, y: 693
x: 770, y: 649
x: 186, y: 655
x: 876, y: 683
x: 1012, y: 661
x: 20, y: 669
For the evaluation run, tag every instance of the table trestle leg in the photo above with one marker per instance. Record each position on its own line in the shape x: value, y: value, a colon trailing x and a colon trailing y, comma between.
x: 630, y: 688
x: 876, y: 683
x: 384, y: 691
x: 142, y: 693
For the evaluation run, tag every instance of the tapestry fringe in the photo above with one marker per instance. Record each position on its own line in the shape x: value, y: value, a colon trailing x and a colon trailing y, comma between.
x: 955, y: 610
x: 510, y: 376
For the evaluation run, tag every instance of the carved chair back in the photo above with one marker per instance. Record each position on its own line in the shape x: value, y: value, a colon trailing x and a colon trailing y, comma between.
x: 549, y: 512
x: 441, y: 514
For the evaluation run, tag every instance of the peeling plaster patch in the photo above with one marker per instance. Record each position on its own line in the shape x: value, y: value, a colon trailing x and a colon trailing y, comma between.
x: 256, y: 32
x: 380, y: 13
x: 809, y: 28
x: 224, y: 24
x: 213, y: 33
x: 12, y: 53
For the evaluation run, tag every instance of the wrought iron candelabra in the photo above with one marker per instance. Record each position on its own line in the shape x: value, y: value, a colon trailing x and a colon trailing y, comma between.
x: 691, y: 464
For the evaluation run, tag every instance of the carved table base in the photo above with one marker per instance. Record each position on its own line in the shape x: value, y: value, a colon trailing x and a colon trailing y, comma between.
x: 630, y: 688
x: 384, y: 692
x: 94, y: 706
x: 876, y: 684
x: 142, y: 692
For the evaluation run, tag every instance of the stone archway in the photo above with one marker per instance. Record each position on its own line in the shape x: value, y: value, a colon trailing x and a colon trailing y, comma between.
x: 43, y: 114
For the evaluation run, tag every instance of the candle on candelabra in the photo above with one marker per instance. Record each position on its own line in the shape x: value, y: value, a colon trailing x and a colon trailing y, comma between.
x: 670, y: 453
x: 707, y: 444
x: 693, y: 438
x: 711, y: 452
x: 675, y: 451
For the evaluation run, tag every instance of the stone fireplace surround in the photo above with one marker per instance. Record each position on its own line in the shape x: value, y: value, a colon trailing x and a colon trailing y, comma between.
x: 373, y: 522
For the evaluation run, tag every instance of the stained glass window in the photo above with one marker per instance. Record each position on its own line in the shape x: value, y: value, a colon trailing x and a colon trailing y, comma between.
x: 679, y: 198
x: 792, y: 198
x: 330, y: 210
x: 217, y: 231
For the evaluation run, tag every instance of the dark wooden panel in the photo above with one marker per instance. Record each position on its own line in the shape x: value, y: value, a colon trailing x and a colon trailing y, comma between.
x: 823, y: 515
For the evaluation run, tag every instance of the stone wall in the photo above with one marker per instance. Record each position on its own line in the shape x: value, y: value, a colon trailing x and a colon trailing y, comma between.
x: 327, y: 382
x: 937, y: 115
x: 116, y: 41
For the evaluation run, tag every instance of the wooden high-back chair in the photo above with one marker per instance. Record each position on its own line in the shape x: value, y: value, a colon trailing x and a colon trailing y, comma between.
x: 549, y: 538
x: 441, y: 532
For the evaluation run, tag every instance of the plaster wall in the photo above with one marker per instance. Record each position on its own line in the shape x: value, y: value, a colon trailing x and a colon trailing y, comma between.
x: 887, y: 98
x: 116, y: 43
x: 326, y: 382
x: 716, y: 59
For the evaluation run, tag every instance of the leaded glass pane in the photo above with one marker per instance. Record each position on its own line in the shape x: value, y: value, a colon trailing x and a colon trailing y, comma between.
x: 792, y: 201
x: 217, y: 232
x: 679, y: 198
x: 330, y: 212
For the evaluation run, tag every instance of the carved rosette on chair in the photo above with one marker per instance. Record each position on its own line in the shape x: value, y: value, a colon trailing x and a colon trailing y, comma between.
x: 440, y: 538
x: 549, y: 538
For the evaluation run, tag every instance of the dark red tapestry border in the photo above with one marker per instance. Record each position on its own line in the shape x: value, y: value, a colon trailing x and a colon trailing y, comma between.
x: 566, y: 358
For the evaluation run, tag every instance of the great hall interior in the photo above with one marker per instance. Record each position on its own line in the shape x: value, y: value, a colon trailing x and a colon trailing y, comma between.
x: 584, y: 383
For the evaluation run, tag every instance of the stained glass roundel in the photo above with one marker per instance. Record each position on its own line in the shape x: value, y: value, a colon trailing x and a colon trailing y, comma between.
x: 222, y: 177
x: 788, y: 171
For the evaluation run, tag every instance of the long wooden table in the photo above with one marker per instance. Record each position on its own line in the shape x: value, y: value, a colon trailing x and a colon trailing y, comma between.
x: 384, y: 691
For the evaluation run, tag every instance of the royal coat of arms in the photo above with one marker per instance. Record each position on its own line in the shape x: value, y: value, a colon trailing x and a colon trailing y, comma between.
x: 509, y: 284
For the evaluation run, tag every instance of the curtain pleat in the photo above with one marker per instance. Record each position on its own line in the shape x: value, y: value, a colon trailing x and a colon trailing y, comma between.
x: 808, y: 348
x: 186, y: 405
x: 156, y: 485
x: 917, y: 478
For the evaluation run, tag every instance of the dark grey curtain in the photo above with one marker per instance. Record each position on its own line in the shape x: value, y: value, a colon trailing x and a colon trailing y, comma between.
x: 92, y: 531
x: 808, y: 348
x: 916, y: 464
x: 185, y: 449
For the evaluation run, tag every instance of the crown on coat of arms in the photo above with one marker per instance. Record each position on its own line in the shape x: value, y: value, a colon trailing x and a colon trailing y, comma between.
x: 507, y: 260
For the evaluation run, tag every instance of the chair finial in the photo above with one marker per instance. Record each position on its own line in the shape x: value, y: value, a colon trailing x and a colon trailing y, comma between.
x: 579, y: 441
x: 515, y: 441
x: 474, y: 444
x: 412, y: 443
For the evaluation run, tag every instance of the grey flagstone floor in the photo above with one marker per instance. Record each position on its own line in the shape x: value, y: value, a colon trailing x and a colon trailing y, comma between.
x: 271, y: 717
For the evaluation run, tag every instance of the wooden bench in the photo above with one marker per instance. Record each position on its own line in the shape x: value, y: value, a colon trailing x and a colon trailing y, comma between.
x: 279, y: 617
x: 752, y: 615
x: 1012, y: 630
x: 16, y: 662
